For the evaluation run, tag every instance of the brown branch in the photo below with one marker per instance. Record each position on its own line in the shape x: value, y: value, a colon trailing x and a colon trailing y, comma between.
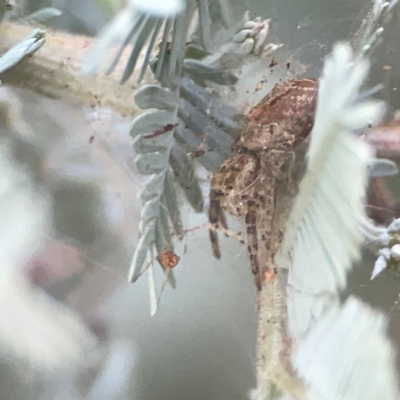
x: 55, y: 70
x: 385, y: 139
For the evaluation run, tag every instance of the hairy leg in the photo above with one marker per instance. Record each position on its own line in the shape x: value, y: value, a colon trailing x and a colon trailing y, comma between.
x: 216, y: 217
x: 252, y: 245
x: 265, y: 217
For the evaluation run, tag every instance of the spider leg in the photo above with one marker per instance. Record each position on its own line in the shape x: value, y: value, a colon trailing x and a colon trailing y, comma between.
x: 215, y: 217
x: 259, y: 221
x: 252, y: 245
x: 265, y: 217
x: 222, y: 221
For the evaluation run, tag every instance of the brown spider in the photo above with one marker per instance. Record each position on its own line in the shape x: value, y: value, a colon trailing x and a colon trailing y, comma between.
x: 245, y: 184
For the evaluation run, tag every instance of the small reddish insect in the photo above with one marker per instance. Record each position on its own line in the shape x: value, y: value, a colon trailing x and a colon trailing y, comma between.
x: 168, y: 259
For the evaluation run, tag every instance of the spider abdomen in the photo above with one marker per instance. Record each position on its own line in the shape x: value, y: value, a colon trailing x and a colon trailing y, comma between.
x: 283, y: 118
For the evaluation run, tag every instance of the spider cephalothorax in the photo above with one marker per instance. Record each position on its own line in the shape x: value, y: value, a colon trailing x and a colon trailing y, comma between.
x: 245, y: 184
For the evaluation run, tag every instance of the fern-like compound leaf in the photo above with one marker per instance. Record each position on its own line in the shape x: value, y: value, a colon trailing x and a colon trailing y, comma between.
x: 323, y: 235
x: 337, y: 348
x: 347, y: 355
